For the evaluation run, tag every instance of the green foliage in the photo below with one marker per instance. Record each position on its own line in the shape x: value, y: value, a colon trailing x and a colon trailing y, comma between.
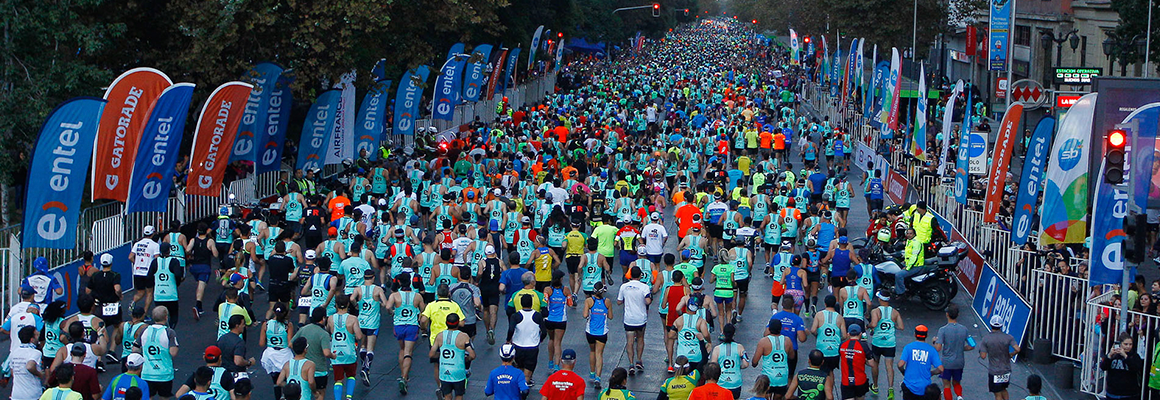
x: 57, y: 49
x: 1133, y: 23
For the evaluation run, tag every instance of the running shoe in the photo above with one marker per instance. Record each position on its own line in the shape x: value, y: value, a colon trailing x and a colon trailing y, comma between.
x: 738, y: 318
x: 639, y: 367
x: 874, y: 388
x: 402, y: 386
x: 366, y: 377
x: 890, y: 394
x: 439, y: 394
x: 551, y: 366
x: 491, y: 336
x: 196, y: 314
x: 112, y: 358
x: 671, y: 369
x: 592, y: 376
x: 631, y: 371
x: 595, y: 384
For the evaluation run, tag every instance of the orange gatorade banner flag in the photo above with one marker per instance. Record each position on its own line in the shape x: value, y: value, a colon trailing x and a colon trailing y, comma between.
x: 1001, y: 160
x: 214, y: 138
x: 129, y: 99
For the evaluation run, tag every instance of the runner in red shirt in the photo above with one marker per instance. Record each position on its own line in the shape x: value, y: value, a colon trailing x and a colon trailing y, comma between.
x: 711, y: 390
x: 564, y: 384
x: 854, y: 355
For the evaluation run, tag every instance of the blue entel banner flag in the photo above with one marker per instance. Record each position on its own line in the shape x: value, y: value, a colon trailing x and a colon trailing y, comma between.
x: 263, y: 76
x: 316, y: 130
x: 60, y: 162
x: 372, y: 117
x: 407, y: 99
x: 1108, y: 212
x: 273, y: 136
x: 447, y: 85
x: 475, y: 73
x: 509, y: 78
x: 881, y: 75
x: 153, y: 171
x: 962, y: 159
x: 1033, y: 167
x: 1144, y: 121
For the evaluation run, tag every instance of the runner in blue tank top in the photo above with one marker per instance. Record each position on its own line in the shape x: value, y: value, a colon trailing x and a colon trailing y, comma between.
x: 598, y: 313
x: 556, y: 322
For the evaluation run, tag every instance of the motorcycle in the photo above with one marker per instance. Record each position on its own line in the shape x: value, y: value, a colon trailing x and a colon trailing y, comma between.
x: 934, y: 288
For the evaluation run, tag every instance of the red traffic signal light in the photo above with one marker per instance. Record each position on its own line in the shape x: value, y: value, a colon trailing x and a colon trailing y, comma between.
x: 1114, y: 156
x: 560, y: 34
x: 755, y: 21
x: 1117, y: 138
x: 807, y: 40
x: 656, y: 6
x: 656, y: 10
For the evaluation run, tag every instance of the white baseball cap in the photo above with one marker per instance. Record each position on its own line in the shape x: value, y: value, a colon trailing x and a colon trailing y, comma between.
x: 148, y: 230
x: 997, y: 321
x: 655, y: 216
x: 310, y: 254
x: 489, y: 250
x: 106, y: 259
x: 134, y: 360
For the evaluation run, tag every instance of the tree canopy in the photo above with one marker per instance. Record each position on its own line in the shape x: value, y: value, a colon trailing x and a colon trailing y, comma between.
x: 54, y: 50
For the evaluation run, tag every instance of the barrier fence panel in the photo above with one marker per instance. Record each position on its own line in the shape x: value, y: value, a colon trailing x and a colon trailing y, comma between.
x: 1102, y: 326
x: 1058, y: 313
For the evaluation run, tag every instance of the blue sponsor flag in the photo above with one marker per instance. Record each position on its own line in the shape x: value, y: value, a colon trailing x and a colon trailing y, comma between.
x: 475, y: 73
x: 1108, y: 212
x: 1033, y: 167
x: 372, y: 117
x: 317, y: 128
x: 447, y: 85
x: 407, y: 99
x: 1144, y: 119
x: 277, y: 119
x: 60, y: 163
x: 160, y: 142
x: 263, y: 76
x: 962, y: 160
x: 510, y: 70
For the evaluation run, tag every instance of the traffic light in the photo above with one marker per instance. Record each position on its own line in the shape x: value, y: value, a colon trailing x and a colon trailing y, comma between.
x: 807, y: 40
x: 559, y: 34
x: 1114, y: 156
x: 686, y: 12
x: 656, y: 10
x: 1137, y: 244
x: 755, y: 22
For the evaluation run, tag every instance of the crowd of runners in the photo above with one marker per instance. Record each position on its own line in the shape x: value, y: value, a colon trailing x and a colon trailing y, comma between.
x: 499, y: 237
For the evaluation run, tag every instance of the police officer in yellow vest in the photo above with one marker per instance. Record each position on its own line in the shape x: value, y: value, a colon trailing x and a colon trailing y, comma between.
x: 913, y: 262
x: 922, y: 221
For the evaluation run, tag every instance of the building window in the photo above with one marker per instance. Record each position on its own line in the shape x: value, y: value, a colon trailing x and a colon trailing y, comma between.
x: 1022, y: 35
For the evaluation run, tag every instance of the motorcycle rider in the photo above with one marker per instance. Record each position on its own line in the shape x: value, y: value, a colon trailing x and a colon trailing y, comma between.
x: 913, y: 261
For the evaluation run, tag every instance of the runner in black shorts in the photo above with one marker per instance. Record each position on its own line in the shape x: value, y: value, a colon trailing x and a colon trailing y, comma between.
x: 573, y: 263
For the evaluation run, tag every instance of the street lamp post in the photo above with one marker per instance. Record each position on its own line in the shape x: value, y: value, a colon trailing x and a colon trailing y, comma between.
x: 1048, y: 37
x: 1116, y: 45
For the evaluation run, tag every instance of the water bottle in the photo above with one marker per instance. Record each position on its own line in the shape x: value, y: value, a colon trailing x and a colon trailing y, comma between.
x: 971, y: 341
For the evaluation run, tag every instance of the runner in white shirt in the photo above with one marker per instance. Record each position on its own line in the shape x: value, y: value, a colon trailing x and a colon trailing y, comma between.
x: 654, y: 238
x: 24, y: 362
x: 635, y: 296
x: 142, y: 255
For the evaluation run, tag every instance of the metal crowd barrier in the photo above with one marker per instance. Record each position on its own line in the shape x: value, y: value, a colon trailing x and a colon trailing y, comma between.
x: 1059, y: 311
x: 1101, y: 328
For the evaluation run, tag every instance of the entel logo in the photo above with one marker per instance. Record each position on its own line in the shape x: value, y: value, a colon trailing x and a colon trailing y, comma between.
x: 52, y: 225
x: 152, y: 187
x: 405, y: 122
x: 994, y: 304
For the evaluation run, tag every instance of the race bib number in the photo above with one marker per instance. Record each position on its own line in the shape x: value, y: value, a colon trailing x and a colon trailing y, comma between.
x: 111, y: 309
x: 1000, y: 379
x: 303, y: 302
